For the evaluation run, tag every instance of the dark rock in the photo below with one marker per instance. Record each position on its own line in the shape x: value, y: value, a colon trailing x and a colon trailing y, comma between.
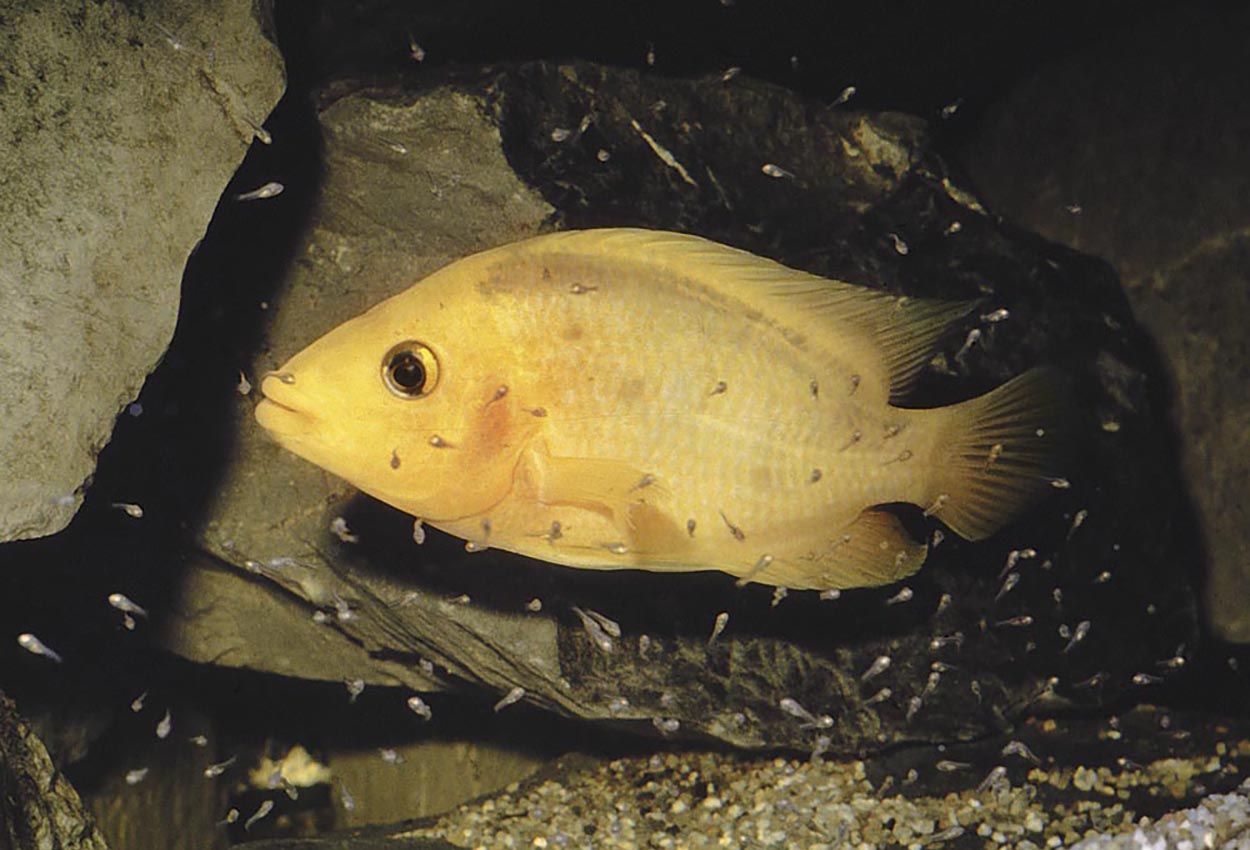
x: 1134, y: 150
x: 415, y: 175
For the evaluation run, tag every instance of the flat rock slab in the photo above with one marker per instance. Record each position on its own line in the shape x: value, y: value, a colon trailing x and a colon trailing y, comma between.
x: 416, y: 175
x: 121, y: 125
x: 1153, y: 179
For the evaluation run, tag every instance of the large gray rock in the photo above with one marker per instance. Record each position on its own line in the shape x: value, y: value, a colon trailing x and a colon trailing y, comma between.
x: 414, y: 177
x: 121, y: 126
x: 1134, y: 150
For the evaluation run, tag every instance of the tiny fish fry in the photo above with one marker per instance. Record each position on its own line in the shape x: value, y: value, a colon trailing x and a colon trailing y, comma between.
x: 626, y: 398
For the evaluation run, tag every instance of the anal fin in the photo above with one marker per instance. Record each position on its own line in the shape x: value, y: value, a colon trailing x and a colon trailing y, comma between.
x: 873, y: 550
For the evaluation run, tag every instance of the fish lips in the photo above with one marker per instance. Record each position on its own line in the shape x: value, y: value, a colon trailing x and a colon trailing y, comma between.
x: 279, y: 411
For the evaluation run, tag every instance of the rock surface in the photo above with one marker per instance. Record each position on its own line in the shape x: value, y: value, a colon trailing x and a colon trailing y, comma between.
x: 38, y: 805
x: 158, y: 796
x: 121, y: 126
x: 423, y: 778
x: 418, y: 174
x: 1134, y: 150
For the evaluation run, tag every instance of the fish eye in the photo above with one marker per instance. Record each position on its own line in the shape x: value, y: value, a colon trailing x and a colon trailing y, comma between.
x: 410, y: 370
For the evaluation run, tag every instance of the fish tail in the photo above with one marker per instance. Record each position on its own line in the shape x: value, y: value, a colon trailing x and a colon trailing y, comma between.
x: 998, y: 453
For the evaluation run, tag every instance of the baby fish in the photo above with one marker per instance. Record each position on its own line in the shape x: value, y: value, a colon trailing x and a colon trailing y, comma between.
x: 792, y: 707
x: 340, y: 529
x: 597, y: 633
x: 349, y: 802
x: 215, y: 770
x: 511, y: 697
x: 416, y: 51
x: 995, y: 780
x: 271, y: 189
x: 419, y: 707
x: 904, y: 595
x: 609, y: 343
x: 718, y: 626
x: 123, y: 603
x: 355, y: 687
x: 262, y: 810
x: 609, y: 626
x: 35, y: 646
x: 1021, y: 749
x: 878, y: 666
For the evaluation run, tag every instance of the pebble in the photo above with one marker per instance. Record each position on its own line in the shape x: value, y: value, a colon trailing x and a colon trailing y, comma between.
x: 1084, y: 779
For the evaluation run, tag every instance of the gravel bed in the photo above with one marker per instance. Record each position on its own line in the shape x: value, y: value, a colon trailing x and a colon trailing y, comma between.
x: 694, y: 800
x: 1219, y: 821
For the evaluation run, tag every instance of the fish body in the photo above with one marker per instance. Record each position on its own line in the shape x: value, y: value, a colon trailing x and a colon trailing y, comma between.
x: 626, y: 398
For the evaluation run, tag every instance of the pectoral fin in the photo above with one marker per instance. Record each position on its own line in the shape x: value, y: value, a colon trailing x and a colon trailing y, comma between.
x: 606, y: 486
x: 630, y: 498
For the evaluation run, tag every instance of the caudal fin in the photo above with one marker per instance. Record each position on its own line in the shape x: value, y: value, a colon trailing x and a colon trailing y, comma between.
x: 998, y: 453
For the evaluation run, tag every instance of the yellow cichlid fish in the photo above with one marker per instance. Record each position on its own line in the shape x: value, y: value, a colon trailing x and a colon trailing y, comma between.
x: 626, y: 398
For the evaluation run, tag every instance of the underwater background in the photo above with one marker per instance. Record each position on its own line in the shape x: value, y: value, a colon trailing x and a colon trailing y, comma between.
x: 208, y: 641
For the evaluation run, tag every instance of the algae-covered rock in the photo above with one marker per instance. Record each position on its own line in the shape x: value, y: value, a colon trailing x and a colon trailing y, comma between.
x: 38, y: 805
x: 1071, y: 603
x: 122, y: 122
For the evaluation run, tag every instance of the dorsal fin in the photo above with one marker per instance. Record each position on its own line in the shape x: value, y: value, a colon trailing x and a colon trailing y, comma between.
x: 904, y: 331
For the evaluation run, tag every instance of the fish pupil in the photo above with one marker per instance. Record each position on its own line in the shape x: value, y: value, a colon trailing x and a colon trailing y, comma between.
x: 410, y: 370
x: 407, y: 373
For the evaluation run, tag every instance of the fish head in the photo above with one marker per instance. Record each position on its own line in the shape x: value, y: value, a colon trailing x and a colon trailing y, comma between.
x: 409, y: 402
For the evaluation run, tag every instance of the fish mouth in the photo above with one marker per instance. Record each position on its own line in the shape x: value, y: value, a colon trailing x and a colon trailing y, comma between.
x: 279, y: 411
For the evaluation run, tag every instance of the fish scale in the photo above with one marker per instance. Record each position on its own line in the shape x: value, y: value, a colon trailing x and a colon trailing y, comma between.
x: 705, y: 443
